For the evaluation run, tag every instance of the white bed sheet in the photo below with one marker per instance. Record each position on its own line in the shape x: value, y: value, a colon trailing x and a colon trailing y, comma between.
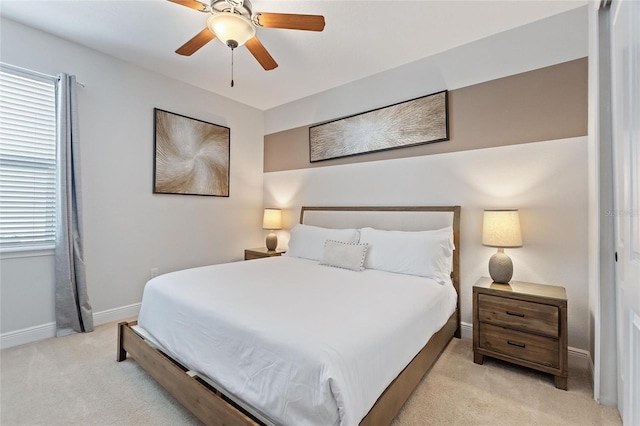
x: 302, y: 343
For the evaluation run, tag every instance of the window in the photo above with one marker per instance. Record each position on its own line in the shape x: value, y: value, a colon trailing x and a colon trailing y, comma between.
x: 27, y: 160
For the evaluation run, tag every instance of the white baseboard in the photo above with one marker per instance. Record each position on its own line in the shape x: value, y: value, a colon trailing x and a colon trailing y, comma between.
x: 466, y: 330
x: 581, y: 359
x: 46, y: 331
x: 27, y: 335
x: 116, y: 314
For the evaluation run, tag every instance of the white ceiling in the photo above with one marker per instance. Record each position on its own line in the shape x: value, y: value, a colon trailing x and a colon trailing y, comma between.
x: 361, y: 38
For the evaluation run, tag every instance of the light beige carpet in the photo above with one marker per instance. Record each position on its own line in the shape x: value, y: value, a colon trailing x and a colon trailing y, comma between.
x: 75, y: 380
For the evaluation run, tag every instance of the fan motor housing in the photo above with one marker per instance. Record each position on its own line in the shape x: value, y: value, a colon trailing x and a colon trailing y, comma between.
x: 241, y: 7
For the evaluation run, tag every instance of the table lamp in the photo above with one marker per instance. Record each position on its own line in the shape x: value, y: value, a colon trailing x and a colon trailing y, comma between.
x: 501, y: 229
x: 271, y: 221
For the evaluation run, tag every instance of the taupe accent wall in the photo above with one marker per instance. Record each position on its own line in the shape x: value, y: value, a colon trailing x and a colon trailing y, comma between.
x: 545, y: 104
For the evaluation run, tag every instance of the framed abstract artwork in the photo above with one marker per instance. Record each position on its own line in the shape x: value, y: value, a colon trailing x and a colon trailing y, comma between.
x: 191, y: 156
x: 414, y: 122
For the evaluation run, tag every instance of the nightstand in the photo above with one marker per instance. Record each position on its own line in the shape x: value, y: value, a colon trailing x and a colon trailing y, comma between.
x: 522, y: 323
x: 260, y: 252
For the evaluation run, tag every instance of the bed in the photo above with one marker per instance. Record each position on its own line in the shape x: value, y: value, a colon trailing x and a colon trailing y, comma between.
x: 290, y: 341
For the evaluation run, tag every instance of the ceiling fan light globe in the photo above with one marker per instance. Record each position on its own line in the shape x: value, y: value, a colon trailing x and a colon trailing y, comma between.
x: 231, y: 27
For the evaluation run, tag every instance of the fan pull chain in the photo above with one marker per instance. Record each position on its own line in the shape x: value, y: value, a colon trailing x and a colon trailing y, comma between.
x: 231, y: 67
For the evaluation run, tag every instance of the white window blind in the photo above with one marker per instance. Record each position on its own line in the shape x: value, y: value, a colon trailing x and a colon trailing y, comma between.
x: 27, y: 161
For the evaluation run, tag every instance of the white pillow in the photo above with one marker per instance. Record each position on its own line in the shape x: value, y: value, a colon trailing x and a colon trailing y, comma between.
x: 344, y: 255
x: 307, y: 241
x: 424, y: 253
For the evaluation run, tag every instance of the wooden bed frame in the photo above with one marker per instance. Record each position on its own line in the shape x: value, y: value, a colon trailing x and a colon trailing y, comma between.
x: 214, y: 408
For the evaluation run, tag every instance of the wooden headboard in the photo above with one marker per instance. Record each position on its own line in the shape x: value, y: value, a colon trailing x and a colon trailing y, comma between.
x: 403, y: 218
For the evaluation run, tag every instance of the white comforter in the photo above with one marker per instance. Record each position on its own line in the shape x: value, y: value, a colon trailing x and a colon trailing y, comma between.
x: 304, y: 344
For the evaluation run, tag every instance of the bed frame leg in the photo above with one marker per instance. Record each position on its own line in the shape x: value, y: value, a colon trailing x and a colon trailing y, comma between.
x: 122, y: 354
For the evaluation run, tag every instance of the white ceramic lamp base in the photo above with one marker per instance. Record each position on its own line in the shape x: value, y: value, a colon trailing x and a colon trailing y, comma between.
x: 272, y: 241
x: 500, y: 267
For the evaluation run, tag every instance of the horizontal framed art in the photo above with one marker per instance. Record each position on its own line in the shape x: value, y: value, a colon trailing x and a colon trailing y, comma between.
x: 414, y: 122
x: 191, y: 156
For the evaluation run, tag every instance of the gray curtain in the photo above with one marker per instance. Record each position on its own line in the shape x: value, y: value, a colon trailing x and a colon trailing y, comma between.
x: 73, y: 311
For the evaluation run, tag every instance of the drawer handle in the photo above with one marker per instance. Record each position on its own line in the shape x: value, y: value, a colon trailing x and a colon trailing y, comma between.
x: 515, y: 314
x: 518, y: 344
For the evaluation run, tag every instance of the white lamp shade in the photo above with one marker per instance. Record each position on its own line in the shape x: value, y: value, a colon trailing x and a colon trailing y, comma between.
x: 501, y: 228
x: 272, y: 219
x: 231, y: 26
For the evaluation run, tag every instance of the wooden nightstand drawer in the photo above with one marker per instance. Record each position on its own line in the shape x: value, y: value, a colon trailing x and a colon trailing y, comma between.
x: 518, y: 314
x: 529, y: 347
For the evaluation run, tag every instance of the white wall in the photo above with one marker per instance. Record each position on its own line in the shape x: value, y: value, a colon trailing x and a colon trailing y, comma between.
x: 550, y: 41
x: 547, y: 181
x: 128, y: 230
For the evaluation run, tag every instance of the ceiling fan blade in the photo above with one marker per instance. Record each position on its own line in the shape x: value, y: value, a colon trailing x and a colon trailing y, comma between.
x: 260, y: 53
x: 290, y: 21
x: 192, y: 46
x: 192, y: 4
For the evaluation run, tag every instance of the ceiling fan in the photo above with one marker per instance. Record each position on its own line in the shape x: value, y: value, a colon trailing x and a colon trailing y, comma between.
x: 234, y: 23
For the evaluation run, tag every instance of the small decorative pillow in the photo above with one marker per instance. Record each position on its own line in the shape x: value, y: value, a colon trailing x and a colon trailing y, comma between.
x: 344, y: 255
x: 307, y: 241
